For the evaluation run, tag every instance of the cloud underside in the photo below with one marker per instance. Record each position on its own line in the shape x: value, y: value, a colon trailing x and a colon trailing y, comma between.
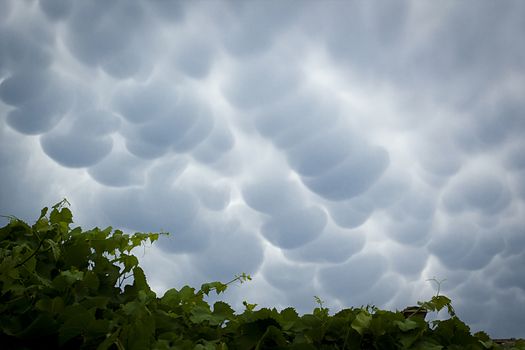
x: 345, y: 149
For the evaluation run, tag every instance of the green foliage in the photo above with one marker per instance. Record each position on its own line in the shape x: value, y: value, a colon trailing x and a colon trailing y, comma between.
x: 62, y: 287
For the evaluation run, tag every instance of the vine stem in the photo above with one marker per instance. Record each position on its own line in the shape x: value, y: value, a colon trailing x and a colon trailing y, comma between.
x: 32, y: 254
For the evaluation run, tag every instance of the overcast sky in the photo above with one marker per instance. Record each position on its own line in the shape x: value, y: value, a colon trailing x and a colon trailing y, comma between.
x: 345, y: 149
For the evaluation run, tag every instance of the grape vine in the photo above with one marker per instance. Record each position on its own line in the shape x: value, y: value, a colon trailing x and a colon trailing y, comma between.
x: 65, y: 288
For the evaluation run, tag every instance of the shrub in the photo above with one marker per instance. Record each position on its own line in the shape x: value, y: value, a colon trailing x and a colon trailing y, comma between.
x: 62, y: 287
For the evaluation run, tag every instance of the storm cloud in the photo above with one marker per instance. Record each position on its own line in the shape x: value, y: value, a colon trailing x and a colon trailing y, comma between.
x: 350, y: 150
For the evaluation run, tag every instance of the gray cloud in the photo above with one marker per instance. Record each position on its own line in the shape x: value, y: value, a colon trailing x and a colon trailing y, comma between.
x: 286, y: 276
x: 466, y: 246
x: 514, y: 236
x: 169, y: 10
x: 172, y: 210
x: 163, y: 132
x: 192, y: 239
x: 407, y: 260
x: 334, y: 162
x: 144, y: 103
x: 271, y: 196
x: 143, y: 149
x: 454, y: 243
x: 319, y: 154
x: 96, y: 122
x: 200, y: 130
x: 19, y: 198
x: 56, y: 9
x: 195, y: 57
x: 26, y: 46
x: 436, y: 154
x: 484, y: 193
x: 351, y: 213
x: 76, y: 151
x: 168, y: 172
x: 353, y: 149
x: 278, y: 121
x: 269, y: 81
x: 514, y: 158
x: 499, y: 119
x: 468, y: 55
x: 499, y: 324
x: 84, y: 142
x: 409, y: 231
x: 23, y: 87
x: 169, y: 123
x: 334, y: 245
x: 419, y: 203
x: 393, y: 187
x: 387, y: 288
x: 350, y: 280
x: 294, y: 228
x: 119, y: 169
x: 219, y: 142
x: 37, y: 116
x: 230, y: 248
x: 352, y: 177
x: 373, y: 30
x: 512, y: 275
x: 215, y: 196
x: 111, y: 35
x: 39, y: 95
x: 5, y: 9
x: 250, y: 33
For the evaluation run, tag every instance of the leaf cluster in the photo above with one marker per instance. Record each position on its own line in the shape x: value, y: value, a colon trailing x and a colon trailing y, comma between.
x: 64, y: 288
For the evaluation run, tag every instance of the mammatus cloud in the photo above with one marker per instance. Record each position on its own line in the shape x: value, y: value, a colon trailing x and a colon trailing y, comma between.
x: 293, y: 228
x: 348, y: 150
x: 334, y: 245
x: 349, y: 281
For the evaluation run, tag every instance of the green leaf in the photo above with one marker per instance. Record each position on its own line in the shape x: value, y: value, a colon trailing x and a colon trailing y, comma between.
x: 76, y: 253
x: 91, y: 281
x: 200, y: 313
x: 138, y: 334
x: 55, y: 248
x: 288, y: 318
x: 408, y: 339
x: 129, y: 261
x: 134, y: 308
x: 361, y: 322
x: 437, y: 303
x: 43, y: 212
x: 427, y: 345
x: 75, y: 320
x: 53, y: 306
x: 42, y: 325
x: 187, y: 294
x: 67, y: 278
x: 248, y: 307
x: 223, y: 310
x: 171, y: 298
x: 62, y: 216
x: 97, y: 302
x: 406, y: 325
x: 111, y: 339
x: 272, y: 338
x: 139, y: 280
x: 218, y: 287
